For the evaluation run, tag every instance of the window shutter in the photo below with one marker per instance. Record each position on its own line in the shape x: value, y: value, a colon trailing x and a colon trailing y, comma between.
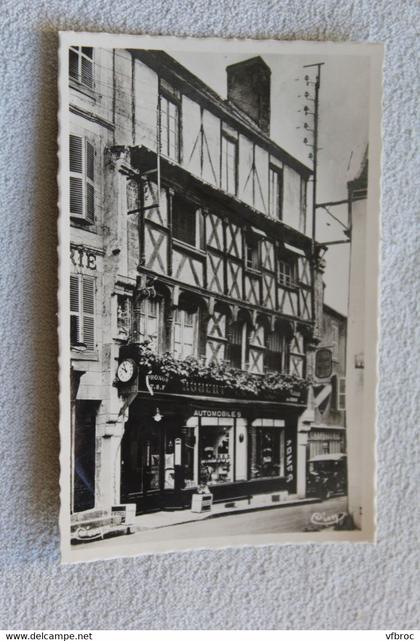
x: 74, y: 310
x: 73, y: 64
x: 88, y: 289
x: 76, y: 196
x: 76, y: 182
x: 90, y: 160
x: 76, y: 154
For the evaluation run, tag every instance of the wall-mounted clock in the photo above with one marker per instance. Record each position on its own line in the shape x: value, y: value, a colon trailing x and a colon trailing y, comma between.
x: 127, y: 370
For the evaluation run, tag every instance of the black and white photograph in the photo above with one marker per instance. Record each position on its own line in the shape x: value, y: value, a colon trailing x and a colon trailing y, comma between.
x: 219, y: 215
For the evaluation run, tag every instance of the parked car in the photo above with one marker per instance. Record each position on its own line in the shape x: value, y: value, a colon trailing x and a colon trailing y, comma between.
x: 327, y: 475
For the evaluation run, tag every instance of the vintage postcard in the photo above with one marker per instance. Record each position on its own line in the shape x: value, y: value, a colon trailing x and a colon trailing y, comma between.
x: 219, y: 240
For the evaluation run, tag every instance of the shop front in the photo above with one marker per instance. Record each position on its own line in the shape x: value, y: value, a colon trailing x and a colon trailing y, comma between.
x: 175, y: 445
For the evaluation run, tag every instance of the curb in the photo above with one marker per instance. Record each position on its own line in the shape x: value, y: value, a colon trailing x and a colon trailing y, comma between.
x: 240, y: 511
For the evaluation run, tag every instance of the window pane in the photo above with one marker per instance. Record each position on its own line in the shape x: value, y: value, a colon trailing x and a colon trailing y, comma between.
x: 88, y: 51
x: 216, y: 446
x: 184, y: 220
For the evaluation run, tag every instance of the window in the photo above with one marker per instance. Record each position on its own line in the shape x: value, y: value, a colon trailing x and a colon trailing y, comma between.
x: 257, y: 349
x: 185, y: 333
x: 216, y: 454
x: 81, y: 65
x: 276, y: 193
x: 150, y: 314
x: 216, y: 338
x: 237, y: 346
x: 169, y: 127
x: 297, y: 355
x: 252, y: 254
x: 123, y: 316
x: 185, y: 219
x: 82, y: 311
x: 341, y: 394
x: 82, y: 172
x: 267, y: 452
x: 275, y: 351
x: 229, y: 162
x: 287, y: 272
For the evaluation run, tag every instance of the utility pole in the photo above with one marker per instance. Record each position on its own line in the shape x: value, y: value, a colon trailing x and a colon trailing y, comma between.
x: 314, y: 157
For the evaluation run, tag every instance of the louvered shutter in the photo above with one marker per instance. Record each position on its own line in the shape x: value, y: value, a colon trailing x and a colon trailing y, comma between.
x: 90, y: 189
x: 73, y: 64
x: 87, y: 72
x: 74, y: 310
x: 88, y: 292
x: 76, y: 177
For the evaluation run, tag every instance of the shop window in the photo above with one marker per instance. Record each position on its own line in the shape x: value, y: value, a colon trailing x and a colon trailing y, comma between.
x: 266, y: 452
x: 82, y: 312
x: 252, y: 254
x: 185, y: 333
x: 169, y: 125
x: 216, y: 454
x: 229, y: 164
x: 237, y: 345
x: 287, y: 270
x: 81, y: 65
x: 82, y: 174
x: 276, y: 192
x: 187, y: 224
x: 150, y: 318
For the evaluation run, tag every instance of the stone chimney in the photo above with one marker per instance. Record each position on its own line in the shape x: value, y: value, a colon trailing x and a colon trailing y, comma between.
x: 248, y: 88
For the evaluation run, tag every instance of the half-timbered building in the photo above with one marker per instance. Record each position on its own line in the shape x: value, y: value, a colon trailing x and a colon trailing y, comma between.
x: 196, y: 289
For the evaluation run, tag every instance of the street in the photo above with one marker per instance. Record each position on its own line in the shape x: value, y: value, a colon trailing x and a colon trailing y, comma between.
x: 275, y: 520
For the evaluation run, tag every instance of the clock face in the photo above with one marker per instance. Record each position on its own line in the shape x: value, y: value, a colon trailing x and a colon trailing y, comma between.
x: 126, y: 370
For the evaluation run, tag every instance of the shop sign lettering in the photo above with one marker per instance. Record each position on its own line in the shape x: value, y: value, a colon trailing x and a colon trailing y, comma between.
x: 218, y: 413
x: 289, y: 461
x: 81, y: 257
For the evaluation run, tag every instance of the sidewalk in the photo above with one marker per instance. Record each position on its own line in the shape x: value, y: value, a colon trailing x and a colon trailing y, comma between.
x: 161, y: 519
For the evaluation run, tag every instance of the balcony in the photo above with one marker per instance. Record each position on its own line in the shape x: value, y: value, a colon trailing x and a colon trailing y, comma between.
x: 190, y: 376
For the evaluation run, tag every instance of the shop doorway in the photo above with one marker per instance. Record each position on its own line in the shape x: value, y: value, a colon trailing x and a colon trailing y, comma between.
x: 157, y: 461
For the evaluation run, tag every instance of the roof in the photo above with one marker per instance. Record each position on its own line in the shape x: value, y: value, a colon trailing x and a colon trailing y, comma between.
x: 194, y: 87
x: 333, y: 312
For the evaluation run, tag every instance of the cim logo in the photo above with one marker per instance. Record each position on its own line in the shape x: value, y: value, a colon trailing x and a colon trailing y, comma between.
x: 322, y: 519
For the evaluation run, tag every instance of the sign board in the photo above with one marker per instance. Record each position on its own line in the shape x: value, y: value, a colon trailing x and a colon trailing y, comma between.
x: 323, y: 363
